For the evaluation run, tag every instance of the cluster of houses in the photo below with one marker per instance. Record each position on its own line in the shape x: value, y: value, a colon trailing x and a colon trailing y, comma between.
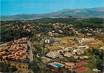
x: 24, y: 27
x: 16, y: 50
x: 61, y: 28
x: 91, y: 31
x: 61, y: 66
x: 67, y: 67
x: 68, y: 52
x: 55, y: 58
x: 27, y: 27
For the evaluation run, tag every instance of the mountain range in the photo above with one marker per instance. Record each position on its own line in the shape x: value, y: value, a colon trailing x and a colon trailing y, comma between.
x: 77, y: 13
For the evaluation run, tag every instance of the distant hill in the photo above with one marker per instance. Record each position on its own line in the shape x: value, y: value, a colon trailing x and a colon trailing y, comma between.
x: 77, y: 13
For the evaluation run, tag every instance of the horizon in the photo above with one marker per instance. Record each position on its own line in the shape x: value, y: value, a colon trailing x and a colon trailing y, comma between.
x: 18, y: 7
x: 47, y: 12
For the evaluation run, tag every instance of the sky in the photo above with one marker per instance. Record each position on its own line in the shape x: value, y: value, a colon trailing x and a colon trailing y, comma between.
x: 13, y: 7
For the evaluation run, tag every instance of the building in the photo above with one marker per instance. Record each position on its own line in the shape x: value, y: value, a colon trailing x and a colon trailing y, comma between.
x: 53, y: 54
x: 56, y: 67
x: 70, y: 66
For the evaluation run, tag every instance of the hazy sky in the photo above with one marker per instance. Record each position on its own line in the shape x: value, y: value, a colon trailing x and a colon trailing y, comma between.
x: 12, y: 7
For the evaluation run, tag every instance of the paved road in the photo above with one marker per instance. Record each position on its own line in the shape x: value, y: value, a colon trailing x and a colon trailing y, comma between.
x: 30, y: 50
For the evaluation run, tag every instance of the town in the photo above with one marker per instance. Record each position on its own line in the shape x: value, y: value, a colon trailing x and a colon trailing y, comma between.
x: 52, y: 45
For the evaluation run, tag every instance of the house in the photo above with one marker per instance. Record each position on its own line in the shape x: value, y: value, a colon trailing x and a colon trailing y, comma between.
x: 49, y: 41
x: 83, y: 47
x: 53, y: 54
x: 56, y: 67
x: 102, y: 48
x: 50, y: 33
x: 68, y: 54
x: 96, y: 70
x: 78, y: 52
x: 70, y: 65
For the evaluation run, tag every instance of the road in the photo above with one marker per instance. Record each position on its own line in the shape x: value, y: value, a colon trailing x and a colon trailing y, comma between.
x: 30, y: 50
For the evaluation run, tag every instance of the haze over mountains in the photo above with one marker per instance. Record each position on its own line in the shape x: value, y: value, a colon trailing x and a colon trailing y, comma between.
x: 77, y: 13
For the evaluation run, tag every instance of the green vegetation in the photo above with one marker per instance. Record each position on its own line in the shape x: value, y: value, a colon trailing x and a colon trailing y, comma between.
x: 7, y: 67
x: 98, y: 58
x: 14, y: 29
x: 37, y: 31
